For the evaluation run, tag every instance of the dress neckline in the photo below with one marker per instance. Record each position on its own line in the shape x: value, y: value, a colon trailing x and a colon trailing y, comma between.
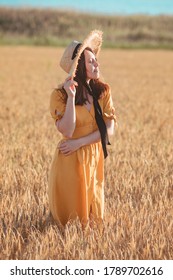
x: 91, y: 106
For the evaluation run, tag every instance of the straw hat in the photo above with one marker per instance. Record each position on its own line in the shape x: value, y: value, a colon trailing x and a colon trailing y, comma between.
x: 93, y: 41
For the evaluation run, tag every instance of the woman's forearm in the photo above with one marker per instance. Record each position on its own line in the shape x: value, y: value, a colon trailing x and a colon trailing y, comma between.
x: 91, y: 138
x: 71, y: 145
x: 94, y: 137
x: 67, y: 124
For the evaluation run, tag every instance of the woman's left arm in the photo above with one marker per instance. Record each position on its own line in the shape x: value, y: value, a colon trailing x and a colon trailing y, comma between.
x: 110, y: 124
x: 94, y: 137
x: 71, y: 145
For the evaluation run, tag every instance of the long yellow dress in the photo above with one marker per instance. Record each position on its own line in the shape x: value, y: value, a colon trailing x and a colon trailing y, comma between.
x: 76, y: 182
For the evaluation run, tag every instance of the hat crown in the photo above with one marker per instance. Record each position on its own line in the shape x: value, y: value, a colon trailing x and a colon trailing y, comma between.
x: 66, y: 60
x: 93, y: 41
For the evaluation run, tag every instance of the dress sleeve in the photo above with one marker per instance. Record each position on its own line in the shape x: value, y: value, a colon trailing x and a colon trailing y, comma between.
x: 108, y: 108
x: 57, y: 106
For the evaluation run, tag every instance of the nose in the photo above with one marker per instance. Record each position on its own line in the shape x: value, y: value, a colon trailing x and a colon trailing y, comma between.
x: 96, y: 64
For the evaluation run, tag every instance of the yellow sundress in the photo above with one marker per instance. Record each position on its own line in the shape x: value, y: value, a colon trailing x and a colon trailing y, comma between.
x: 76, y: 181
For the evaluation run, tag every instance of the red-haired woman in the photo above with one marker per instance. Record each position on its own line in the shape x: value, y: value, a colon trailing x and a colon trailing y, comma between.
x: 84, y: 114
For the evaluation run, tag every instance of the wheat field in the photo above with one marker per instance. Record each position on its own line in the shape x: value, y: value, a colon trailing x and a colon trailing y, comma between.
x: 138, y: 220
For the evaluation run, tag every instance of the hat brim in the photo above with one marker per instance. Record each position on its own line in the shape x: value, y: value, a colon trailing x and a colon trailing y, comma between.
x: 93, y: 41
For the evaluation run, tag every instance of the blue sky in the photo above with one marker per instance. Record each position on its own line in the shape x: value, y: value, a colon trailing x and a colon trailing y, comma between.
x: 101, y: 6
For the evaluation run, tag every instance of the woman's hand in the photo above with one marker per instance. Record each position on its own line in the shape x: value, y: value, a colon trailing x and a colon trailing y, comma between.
x: 70, y: 86
x: 69, y: 146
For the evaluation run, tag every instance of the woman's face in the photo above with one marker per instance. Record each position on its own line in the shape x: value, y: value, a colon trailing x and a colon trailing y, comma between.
x: 91, y: 64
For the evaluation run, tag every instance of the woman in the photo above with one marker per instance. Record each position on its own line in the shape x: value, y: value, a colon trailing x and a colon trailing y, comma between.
x: 84, y: 114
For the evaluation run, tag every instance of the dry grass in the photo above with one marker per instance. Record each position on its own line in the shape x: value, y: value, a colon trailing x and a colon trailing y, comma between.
x: 56, y: 27
x: 138, y: 220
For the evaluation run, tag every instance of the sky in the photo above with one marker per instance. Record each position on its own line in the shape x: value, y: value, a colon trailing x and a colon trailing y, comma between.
x: 153, y: 7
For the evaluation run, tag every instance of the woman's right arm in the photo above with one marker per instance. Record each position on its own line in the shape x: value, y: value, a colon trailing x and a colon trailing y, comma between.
x: 66, y: 125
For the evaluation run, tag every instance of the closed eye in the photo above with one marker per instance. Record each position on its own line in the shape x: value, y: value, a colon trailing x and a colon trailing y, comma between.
x: 92, y: 60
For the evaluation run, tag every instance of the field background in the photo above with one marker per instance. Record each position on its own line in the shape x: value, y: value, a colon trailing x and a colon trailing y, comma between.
x: 138, y: 222
x: 56, y: 28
